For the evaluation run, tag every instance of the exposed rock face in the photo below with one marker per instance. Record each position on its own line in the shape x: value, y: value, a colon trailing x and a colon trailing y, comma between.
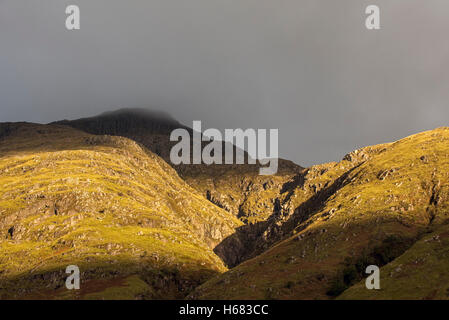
x: 126, y: 121
x: 103, y: 203
x: 337, y: 218
x: 152, y: 129
x: 236, y: 188
x: 136, y: 229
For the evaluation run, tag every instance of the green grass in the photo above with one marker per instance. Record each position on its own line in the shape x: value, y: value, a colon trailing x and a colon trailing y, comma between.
x: 103, y: 203
x: 354, y: 206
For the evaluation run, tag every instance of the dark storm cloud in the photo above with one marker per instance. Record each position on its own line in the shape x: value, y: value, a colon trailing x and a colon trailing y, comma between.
x: 309, y: 68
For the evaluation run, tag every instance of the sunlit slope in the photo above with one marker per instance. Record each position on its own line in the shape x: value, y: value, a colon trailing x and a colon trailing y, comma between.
x: 338, y: 218
x: 238, y: 189
x: 103, y: 203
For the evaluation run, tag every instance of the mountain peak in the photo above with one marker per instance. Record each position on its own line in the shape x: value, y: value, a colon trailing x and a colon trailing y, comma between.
x: 125, y: 121
x: 139, y: 112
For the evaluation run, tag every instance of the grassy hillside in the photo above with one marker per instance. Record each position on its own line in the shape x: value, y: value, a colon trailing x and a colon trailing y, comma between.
x: 106, y: 204
x: 138, y: 230
x: 337, y: 218
x: 236, y: 188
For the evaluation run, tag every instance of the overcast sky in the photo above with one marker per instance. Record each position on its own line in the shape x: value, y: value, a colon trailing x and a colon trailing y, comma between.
x: 307, y: 67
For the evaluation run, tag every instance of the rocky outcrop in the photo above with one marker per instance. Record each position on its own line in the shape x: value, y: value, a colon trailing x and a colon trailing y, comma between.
x: 336, y: 219
x: 105, y: 204
x: 236, y: 188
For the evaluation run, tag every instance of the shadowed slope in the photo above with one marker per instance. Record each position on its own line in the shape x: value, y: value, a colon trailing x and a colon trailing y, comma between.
x: 420, y: 273
x: 337, y: 218
x: 236, y: 188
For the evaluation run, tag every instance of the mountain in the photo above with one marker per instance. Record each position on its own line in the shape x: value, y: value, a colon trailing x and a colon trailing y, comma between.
x: 385, y: 205
x: 106, y: 204
x: 150, y: 128
x: 238, y: 189
x: 92, y: 192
